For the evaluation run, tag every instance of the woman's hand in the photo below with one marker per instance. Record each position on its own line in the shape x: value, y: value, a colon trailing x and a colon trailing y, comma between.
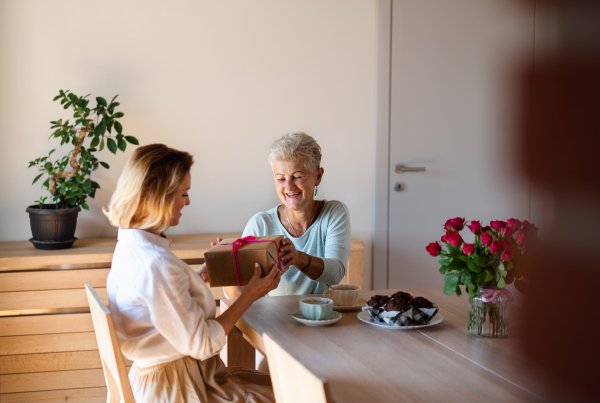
x: 290, y: 256
x: 259, y: 287
x: 202, y: 272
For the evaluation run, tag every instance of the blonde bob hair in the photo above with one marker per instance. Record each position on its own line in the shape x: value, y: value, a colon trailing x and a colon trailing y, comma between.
x: 146, y: 188
x: 296, y: 147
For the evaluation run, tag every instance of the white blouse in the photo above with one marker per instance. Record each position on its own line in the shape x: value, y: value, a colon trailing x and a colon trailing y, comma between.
x: 161, y: 307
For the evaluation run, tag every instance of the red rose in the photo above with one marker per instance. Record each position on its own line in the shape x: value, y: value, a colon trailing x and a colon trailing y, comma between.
x: 496, y: 247
x: 468, y: 249
x: 444, y: 238
x: 498, y: 225
x: 475, y: 227
x: 521, y: 238
x: 454, y: 224
x: 486, y: 239
x: 507, y: 254
x: 508, y: 244
x: 529, y: 229
x: 486, y: 229
x: 513, y: 224
x: 455, y: 239
x: 506, y: 232
x: 434, y: 248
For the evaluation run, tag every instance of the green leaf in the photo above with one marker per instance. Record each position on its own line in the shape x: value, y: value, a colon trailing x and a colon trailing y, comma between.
x: 501, y: 283
x: 122, y: 145
x: 480, y: 261
x: 115, y: 97
x: 101, y: 101
x: 104, y: 164
x: 85, y: 206
x: 101, y: 128
x: 118, y: 115
x: 95, y: 142
x: 444, y: 262
x: 443, y: 269
x: 471, y: 287
x: 56, y: 97
x: 450, y: 283
x: 112, y: 146
x: 458, y: 292
x: 474, y: 267
x: 131, y: 139
x: 488, y: 276
x: 101, y: 145
x: 118, y: 127
x: 501, y: 266
x: 37, y: 177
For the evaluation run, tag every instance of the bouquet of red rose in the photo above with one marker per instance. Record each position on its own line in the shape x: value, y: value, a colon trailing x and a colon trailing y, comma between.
x: 491, y: 261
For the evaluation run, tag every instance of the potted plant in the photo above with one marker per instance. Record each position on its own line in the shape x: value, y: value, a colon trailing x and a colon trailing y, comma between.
x: 53, y: 223
x: 484, y: 268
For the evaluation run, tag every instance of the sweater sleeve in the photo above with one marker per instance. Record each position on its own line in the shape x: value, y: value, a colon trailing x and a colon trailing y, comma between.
x: 176, y: 315
x: 337, y: 245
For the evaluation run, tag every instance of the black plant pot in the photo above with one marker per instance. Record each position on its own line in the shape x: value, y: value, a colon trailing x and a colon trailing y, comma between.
x: 52, y: 228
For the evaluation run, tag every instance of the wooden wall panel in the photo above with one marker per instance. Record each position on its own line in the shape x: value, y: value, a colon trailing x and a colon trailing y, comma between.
x: 46, y: 324
x: 33, y: 382
x: 24, y: 301
x: 48, y: 343
x: 52, y: 279
x: 87, y: 395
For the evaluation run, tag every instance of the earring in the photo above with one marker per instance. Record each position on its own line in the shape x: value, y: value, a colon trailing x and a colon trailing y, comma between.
x: 316, y: 190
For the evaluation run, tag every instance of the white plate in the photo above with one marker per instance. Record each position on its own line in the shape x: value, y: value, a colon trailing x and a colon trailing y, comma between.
x: 334, y: 317
x: 357, y: 305
x: 365, y: 317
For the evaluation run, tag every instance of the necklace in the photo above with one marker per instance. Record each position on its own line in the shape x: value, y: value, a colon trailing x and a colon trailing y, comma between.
x: 294, y: 229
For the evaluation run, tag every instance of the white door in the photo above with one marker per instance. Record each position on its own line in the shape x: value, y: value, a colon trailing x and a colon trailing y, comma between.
x: 452, y: 111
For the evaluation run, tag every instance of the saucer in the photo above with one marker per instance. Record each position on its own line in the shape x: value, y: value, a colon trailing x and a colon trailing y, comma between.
x: 334, y: 317
x: 356, y: 306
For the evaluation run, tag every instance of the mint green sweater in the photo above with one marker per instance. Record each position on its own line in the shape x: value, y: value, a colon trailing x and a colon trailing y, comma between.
x: 327, y: 238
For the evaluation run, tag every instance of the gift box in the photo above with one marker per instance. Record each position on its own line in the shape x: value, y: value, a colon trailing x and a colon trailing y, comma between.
x: 231, y: 261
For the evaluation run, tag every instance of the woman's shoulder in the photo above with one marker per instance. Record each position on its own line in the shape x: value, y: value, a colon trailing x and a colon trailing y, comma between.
x: 335, y: 207
x: 262, y: 223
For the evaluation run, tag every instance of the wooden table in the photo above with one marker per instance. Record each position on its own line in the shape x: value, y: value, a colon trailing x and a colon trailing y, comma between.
x: 48, y: 350
x: 365, y: 363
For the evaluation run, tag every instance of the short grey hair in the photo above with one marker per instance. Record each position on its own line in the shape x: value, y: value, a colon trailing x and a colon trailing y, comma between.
x: 296, y: 147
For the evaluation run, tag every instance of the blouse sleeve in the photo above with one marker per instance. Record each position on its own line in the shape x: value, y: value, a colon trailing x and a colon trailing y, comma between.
x: 337, y: 245
x: 176, y: 315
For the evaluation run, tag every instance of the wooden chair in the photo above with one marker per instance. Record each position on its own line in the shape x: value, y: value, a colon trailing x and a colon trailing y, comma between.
x: 119, y: 389
x: 292, y: 382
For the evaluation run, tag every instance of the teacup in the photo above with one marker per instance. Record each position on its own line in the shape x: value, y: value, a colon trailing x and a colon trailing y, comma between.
x: 343, y: 294
x: 316, y: 308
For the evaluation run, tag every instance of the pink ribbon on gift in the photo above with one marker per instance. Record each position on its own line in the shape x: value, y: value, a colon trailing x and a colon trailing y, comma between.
x: 489, y: 295
x: 238, y: 243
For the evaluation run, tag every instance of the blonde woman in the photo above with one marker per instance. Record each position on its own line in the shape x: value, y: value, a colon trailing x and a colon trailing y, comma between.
x: 164, y: 313
x: 316, y: 247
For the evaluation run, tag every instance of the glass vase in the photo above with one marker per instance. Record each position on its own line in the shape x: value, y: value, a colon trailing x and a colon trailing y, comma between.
x: 489, y: 319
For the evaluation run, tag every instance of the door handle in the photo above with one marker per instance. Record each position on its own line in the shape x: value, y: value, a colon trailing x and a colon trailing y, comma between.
x: 401, y: 168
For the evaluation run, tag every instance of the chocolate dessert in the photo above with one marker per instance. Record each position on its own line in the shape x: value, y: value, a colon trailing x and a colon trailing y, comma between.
x: 397, y: 304
x: 377, y: 301
x: 421, y: 302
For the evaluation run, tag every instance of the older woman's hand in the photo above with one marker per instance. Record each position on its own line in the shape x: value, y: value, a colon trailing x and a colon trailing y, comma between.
x: 290, y: 256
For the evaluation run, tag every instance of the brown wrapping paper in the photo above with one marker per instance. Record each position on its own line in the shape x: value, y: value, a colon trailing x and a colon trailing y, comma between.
x: 220, y: 263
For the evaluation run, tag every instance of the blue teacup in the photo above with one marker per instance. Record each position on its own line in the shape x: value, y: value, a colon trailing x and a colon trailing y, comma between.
x: 315, y: 308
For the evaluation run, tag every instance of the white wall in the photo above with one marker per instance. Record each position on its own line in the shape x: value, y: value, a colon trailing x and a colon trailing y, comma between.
x: 220, y: 79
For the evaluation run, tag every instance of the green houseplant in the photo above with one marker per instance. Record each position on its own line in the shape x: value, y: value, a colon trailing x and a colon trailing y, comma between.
x: 53, y: 219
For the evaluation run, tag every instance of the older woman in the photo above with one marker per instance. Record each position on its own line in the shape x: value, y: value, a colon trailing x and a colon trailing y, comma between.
x: 164, y: 313
x: 316, y: 246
